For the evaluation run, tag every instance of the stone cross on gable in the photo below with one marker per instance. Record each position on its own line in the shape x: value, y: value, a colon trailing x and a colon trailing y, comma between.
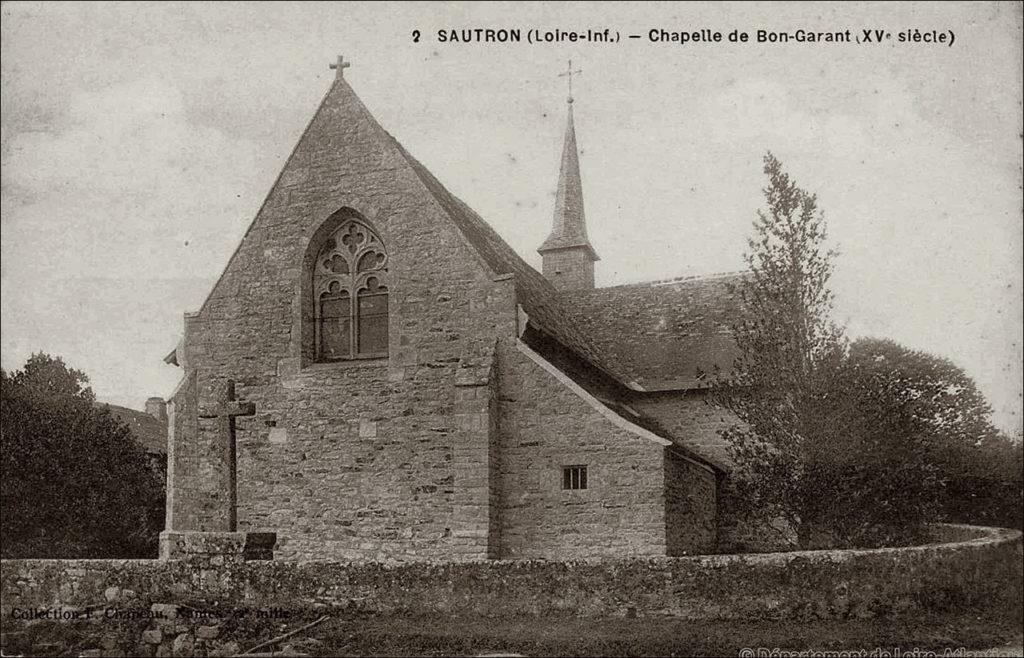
x: 225, y: 412
x: 340, y: 66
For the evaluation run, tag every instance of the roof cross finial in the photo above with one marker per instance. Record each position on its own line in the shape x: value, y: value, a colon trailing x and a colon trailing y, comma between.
x: 569, y: 73
x: 341, y: 65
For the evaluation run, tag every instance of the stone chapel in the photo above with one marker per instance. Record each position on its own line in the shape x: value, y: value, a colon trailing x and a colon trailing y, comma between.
x: 377, y: 375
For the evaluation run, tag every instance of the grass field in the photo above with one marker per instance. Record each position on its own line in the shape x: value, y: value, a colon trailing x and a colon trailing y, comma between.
x: 440, y: 635
x: 651, y: 637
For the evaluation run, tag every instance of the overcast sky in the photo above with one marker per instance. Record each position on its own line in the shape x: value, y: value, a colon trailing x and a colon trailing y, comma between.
x: 139, y: 140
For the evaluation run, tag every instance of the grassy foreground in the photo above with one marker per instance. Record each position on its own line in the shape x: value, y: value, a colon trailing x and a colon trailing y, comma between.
x: 366, y: 634
x: 442, y: 636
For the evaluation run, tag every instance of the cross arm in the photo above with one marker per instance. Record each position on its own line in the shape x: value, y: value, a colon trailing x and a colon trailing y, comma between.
x: 230, y: 409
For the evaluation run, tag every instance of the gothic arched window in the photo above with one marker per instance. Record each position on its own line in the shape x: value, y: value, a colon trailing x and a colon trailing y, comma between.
x: 350, y: 291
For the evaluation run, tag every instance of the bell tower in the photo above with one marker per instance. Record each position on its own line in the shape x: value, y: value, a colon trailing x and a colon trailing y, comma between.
x: 567, y: 254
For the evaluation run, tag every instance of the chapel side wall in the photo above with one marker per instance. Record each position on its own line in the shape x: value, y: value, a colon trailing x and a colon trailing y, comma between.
x: 362, y: 459
x: 494, y: 461
x: 544, y: 426
x: 691, y: 416
x: 690, y: 507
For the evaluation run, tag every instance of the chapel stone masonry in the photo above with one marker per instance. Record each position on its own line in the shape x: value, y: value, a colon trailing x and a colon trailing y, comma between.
x: 378, y: 375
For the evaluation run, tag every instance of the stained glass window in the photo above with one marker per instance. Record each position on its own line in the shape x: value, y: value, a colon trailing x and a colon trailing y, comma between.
x: 373, y: 318
x: 350, y: 288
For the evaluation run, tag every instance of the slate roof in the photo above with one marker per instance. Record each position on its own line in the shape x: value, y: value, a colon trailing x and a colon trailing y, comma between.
x: 666, y: 335
x: 149, y: 431
x: 683, y: 323
x: 654, y: 336
x: 661, y: 335
x: 642, y: 409
x: 536, y: 294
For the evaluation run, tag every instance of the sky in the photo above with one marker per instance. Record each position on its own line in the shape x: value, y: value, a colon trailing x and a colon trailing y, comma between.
x: 138, y: 141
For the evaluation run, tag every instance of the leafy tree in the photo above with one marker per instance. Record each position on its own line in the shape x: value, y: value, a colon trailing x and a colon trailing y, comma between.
x: 787, y: 332
x: 813, y: 450
x: 74, y: 482
x: 784, y: 338
x: 874, y: 477
x: 979, y: 468
x: 50, y: 376
x: 933, y: 389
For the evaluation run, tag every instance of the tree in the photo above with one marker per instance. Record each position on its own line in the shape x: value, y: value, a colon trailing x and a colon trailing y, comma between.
x: 934, y: 389
x: 784, y: 338
x: 979, y: 469
x: 872, y: 477
x: 74, y: 482
x: 51, y: 377
x: 989, y: 489
x: 813, y: 449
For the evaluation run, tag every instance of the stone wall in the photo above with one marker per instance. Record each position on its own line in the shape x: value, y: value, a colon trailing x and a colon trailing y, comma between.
x: 689, y: 415
x: 545, y: 427
x: 359, y: 466
x: 690, y: 507
x: 980, y: 571
x: 130, y: 627
x: 185, y: 497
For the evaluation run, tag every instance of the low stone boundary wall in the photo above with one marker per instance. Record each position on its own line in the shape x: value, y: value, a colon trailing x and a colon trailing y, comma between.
x: 981, y: 569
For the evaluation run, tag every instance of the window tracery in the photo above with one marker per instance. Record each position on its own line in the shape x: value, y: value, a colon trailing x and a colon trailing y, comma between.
x: 350, y: 289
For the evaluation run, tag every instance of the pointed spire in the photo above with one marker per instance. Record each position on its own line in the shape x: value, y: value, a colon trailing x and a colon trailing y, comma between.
x: 567, y: 254
x: 570, y: 223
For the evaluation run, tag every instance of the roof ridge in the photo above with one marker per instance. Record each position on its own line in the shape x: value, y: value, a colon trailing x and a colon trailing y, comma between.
x: 679, y: 279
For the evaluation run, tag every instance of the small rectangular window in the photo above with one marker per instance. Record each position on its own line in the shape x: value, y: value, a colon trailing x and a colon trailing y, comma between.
x: 574, y: 477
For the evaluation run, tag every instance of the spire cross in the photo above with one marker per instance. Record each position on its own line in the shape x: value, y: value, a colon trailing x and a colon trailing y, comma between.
x: 569, y: 73
x: 341, y: 65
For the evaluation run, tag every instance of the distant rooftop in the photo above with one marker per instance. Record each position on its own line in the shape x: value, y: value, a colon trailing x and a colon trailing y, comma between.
x: 150, y: 431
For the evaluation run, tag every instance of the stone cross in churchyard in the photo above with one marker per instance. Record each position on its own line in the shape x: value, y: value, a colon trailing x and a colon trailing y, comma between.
x: 225, y: 412
x: 340, y: 66
x: 569, y: 73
